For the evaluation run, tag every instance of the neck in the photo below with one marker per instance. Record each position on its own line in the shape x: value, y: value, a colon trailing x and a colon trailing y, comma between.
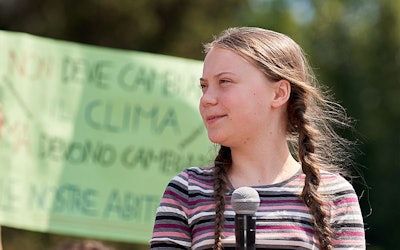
x: 264, y: 165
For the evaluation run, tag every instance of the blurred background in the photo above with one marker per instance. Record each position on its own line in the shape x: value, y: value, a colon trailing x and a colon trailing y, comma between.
x: 353, y: 46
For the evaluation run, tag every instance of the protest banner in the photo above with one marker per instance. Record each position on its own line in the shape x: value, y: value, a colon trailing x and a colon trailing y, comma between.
x: 90, y: 136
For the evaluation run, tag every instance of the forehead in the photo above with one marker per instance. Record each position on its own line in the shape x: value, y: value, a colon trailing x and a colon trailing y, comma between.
x: 219, y: 59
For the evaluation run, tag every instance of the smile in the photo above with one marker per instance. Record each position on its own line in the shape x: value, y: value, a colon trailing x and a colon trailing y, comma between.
x: 214, y: 118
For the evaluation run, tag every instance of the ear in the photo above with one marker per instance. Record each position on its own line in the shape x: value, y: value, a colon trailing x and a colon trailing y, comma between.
x: 282, y: 90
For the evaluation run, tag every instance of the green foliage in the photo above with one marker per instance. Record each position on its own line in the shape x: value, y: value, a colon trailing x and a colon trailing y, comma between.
x: 353, y: 45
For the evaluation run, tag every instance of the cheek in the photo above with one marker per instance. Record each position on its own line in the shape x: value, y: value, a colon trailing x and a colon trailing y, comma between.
x: 258, y: 107
x: 263, y: 99
x: 200, y: 103
x: 201, y: 111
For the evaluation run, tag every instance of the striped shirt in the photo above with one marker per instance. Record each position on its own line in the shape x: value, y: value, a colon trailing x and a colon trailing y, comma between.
x: 186, y: 215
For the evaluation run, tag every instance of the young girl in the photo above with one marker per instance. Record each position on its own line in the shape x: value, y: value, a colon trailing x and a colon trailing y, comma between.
x: 261, y: 104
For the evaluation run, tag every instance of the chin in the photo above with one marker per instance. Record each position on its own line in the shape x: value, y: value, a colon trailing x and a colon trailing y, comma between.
x: 217, y: 140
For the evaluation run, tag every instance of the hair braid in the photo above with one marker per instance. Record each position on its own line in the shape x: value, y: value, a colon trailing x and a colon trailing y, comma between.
x: 310, y: 194
x: 308, y: 134
x: 222, y: 162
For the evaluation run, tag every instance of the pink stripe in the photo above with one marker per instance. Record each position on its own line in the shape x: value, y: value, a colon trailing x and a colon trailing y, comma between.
x: 283, y: 235
x: 169, y: 234
x: 275, y: 208
x: 169, y: 201
x: 203, y: 208
x: 345, y: 210
x: 352, y: 233
x: 344, y: 201
x: 351, y: 242
x: 201, y: 237
x: 202, y: 184
x: 169, y: 192
x: 328, y: 177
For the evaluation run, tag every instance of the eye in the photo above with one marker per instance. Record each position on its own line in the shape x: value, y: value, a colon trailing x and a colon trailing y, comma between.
x: 224, y: 81
x: 203, y: 84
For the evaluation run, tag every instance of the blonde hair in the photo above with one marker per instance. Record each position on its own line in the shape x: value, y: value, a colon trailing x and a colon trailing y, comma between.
x: 310, y: 116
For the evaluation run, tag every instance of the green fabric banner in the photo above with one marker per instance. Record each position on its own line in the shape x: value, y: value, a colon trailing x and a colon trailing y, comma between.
x: 90, y: 136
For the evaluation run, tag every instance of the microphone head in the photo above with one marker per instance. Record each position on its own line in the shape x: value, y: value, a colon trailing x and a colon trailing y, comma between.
x: 245, y: 200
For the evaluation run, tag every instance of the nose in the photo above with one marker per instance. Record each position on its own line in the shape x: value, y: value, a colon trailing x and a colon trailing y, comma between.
x: 209, y: 97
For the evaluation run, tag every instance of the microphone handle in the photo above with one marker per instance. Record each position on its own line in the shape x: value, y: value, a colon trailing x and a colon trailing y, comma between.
x: 245, y: 231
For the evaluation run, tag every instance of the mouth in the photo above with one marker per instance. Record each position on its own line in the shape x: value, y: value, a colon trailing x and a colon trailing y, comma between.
x: 214, y: 118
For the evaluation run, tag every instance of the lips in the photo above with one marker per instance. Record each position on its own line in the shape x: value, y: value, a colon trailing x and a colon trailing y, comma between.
x: 214, y: 118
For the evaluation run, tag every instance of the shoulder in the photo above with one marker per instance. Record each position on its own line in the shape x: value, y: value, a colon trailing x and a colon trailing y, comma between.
x: 344, y: 210
x: 334, y: 182
x: 194, y: 177
x: 189, y: 185
x: 339, y: 190
x: 200, y: 171
x: 195, y: 173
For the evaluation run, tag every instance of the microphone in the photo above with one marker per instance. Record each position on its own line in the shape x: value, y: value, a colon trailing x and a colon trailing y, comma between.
x: 245, y: 202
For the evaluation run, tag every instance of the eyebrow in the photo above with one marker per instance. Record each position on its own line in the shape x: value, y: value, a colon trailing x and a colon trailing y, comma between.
x: 219, y: 74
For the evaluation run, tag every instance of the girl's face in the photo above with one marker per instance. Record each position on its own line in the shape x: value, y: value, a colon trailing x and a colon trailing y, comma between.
x: 236, y: 101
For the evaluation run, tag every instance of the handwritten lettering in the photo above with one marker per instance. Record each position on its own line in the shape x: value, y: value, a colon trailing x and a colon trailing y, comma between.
x: 67, y: 198
x: 79, y: 70
x: 30, y: 65
x: 130, y: 206
x: 71, y: 198
x: 18, y: 133
x: 56, y: 149
x: 117, y: 118
x: 77, y: 200
x: 131, y: 78
x: 166, y: 161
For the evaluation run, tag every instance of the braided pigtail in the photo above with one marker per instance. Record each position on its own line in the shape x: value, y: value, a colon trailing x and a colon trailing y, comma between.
x: 303, y: 125
x: 310, y: 194
x: 222, y: 163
